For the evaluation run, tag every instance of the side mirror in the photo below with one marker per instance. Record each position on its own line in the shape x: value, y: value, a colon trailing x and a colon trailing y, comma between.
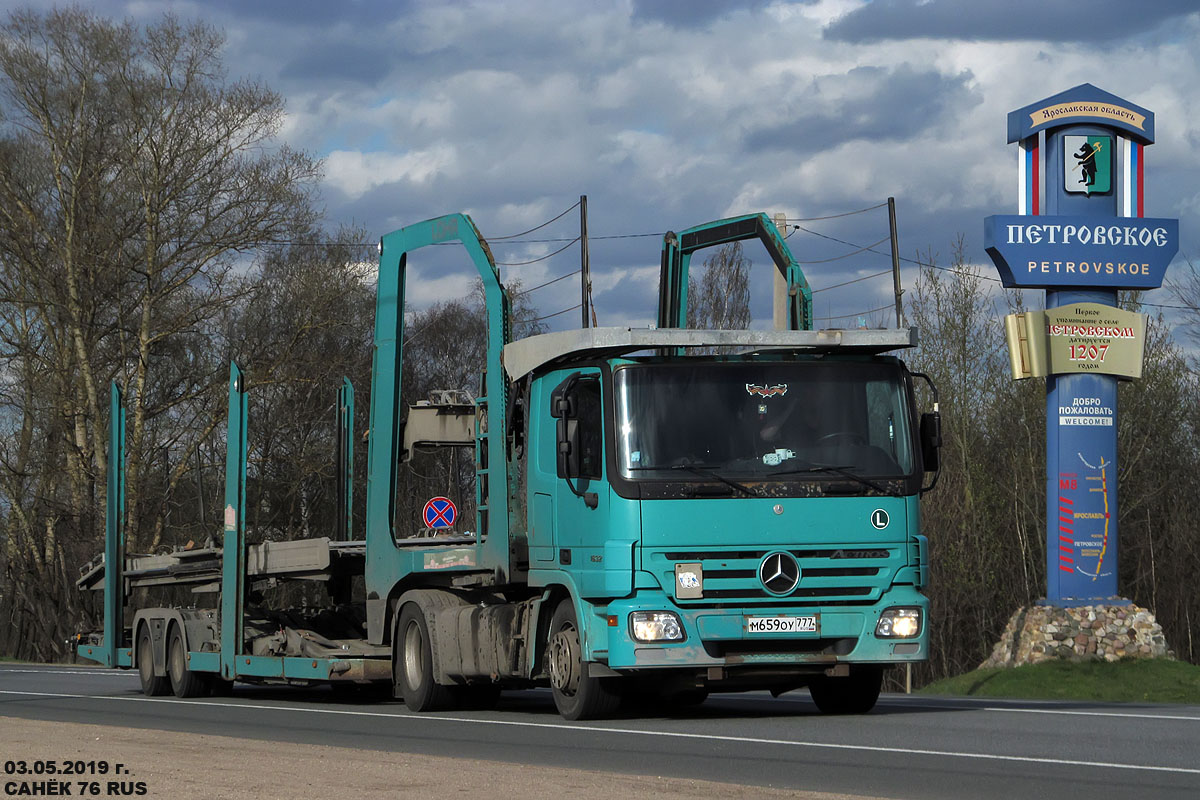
x: 563, y: 402
x: 565, y: 446
x: 569, y: 450
x: 931, y: 440
x: 931, y: 434
x: 564, y: 407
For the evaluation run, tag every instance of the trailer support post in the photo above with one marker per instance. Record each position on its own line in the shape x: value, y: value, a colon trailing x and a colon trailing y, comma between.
x: 233, y: 558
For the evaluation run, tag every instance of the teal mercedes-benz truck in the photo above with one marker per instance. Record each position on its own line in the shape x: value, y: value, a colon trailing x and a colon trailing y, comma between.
x: 660, y: 513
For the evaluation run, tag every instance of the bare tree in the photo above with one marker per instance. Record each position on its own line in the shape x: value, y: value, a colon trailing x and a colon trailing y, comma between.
x: 720, y: 298
x: 1185, y: 286
x: 135, y: 183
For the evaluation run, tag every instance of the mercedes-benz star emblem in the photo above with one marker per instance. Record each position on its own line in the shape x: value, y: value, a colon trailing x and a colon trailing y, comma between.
x: 779, y: 573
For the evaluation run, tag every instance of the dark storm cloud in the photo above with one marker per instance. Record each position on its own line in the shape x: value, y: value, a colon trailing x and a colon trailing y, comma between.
x: 870, y: 103
x: 671, y: 113
x: 689, y: 13
x: 314, y: 13
x: 1015, y: 20
x: 339, y: 60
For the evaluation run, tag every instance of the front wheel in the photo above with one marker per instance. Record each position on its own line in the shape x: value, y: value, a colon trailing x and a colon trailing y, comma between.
x: 856, y: 693
x: 576, y: 695
x: 412, y: 671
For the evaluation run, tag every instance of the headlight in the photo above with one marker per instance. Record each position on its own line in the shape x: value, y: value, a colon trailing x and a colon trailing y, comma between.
x: 656, y: 626
x: 899, y: 623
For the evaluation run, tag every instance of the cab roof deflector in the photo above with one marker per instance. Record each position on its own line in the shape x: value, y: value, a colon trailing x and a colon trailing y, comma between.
x: 524, y: 356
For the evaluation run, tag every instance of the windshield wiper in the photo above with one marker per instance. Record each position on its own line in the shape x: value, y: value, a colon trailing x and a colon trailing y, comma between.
x: 844, y: 471
x: 709, y: 472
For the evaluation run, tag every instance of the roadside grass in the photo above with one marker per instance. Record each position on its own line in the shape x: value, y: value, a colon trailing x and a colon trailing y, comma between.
x: 1127, y: 681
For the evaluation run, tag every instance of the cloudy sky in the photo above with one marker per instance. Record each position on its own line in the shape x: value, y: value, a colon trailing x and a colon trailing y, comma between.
x: 666, y: 114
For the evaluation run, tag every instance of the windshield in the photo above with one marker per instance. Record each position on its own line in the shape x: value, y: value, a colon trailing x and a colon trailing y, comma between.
x: 759, y: 420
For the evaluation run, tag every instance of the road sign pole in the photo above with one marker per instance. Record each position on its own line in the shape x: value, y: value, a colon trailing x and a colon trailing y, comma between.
x: 1081, y: 478
x: 1081, y: 236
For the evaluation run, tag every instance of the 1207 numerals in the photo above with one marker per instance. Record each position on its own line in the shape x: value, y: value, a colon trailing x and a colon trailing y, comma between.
x: 1088, y: 352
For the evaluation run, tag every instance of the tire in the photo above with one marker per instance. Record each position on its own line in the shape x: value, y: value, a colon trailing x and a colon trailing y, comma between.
x: 184, y: 682
x: 576, y: 696
x: 856, y: 693
x: 412, y: 667
x: 152, y: 685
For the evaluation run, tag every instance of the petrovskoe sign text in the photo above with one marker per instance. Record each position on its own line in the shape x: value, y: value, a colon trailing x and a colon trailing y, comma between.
x: 1115, y: 235
x: 1042, y: 251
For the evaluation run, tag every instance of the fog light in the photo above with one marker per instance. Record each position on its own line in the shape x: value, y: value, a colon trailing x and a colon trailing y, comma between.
x: 656, y: 626
x: 899, y: 623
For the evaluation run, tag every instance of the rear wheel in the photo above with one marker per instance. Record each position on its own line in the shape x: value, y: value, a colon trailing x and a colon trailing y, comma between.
x: 856, y: 693
x: 152, y: 685
x: 576, y: 695
x: 184, y: 682
x: 412, y: 670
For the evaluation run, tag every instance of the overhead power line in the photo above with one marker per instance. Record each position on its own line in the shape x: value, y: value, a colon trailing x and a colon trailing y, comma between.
x: 538, y: 227
x: 847, y: 255
x: 556, y: 313
x: 536, y: 260
x: 836, y: 216
x: 857, y: 313
x: 514, y: 238
x: 856, y: 280
x: 547, y: 283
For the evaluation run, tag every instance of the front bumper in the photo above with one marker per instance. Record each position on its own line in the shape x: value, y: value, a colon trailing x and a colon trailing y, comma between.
x: 719, y: 636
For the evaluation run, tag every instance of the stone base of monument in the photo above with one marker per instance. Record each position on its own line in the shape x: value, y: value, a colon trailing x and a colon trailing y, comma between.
x: 1086, y: 633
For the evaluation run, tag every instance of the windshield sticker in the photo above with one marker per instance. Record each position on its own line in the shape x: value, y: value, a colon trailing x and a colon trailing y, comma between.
x: 779, y: 389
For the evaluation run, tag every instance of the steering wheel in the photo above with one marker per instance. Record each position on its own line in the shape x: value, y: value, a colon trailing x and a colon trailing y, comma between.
x: 850, y: 436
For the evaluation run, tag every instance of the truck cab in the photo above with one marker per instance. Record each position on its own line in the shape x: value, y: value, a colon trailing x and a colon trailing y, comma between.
x: 724, y: 522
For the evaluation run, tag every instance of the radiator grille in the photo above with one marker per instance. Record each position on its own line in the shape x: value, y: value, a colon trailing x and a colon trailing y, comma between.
x: 855, y: 575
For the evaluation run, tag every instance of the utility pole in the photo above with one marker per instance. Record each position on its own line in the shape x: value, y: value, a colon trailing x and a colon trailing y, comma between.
x: 585, y: 274
x: 895, y: 260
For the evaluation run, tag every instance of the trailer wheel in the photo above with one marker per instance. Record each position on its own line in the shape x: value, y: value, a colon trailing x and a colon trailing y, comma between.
x: 854, y: 694
x: 152, y: 685
x: 184, y: 682
x: 576, y: 695
x: 412, y: 668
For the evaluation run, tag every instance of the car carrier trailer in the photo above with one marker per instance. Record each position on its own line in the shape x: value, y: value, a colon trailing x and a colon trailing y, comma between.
x: 659, y: 512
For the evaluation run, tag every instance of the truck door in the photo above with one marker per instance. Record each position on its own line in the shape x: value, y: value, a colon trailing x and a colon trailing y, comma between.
x: 570, y: 497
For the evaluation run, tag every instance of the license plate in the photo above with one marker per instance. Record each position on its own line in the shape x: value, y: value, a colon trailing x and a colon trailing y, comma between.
x: 804, y: 624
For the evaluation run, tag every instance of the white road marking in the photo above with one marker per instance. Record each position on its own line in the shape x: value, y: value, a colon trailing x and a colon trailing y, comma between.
x: 631, y: 731
x: 966, y: 705
x: 1131, y: 715
x: 900, y: 701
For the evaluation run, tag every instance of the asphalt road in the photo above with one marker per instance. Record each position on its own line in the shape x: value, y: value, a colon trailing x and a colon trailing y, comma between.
x: 908, y: 747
